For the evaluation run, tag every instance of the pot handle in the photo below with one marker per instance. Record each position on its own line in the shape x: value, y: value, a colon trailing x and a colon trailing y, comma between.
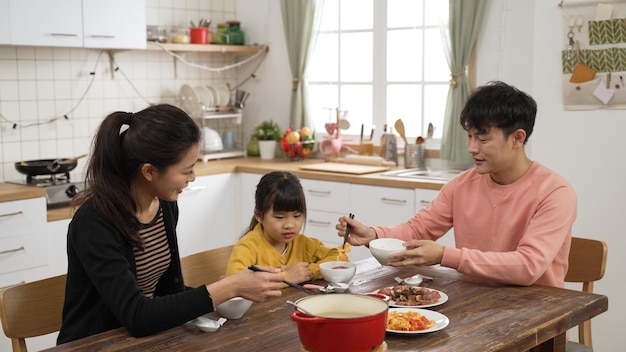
x: 299, y: 316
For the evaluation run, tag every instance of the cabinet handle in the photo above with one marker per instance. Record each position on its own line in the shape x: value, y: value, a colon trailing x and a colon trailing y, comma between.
x: 391, y: 200
x: 321, y: 193
x: 424, y: 202
x: 12, y: 250
x: 317, y: 222
x: 11, y: 214
x: 19, y: 283
x: 195, y: 188
x: 63, y: 35
x: 102, y: 36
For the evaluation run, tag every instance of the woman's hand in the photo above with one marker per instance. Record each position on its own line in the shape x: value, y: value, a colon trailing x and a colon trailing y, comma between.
x: 360, y: 234
x: 299, y: 272
x: 255, y: 286
x: 418, y: 252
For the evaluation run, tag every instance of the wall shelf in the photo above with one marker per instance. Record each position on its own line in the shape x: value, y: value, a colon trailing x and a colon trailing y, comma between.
x: 207, y: 48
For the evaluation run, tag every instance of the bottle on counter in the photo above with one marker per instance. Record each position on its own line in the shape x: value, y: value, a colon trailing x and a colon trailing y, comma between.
x: 236, y: 34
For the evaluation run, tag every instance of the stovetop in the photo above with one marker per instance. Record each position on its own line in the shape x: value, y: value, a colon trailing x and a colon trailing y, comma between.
x: 60, y: 189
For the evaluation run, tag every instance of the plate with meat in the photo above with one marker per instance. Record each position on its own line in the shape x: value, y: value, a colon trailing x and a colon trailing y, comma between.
x: 413, y: 296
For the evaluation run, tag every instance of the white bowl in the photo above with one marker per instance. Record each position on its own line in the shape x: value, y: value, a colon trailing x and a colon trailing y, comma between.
x: 234, y: 308
x: 337, y: 271
x: 382, y: 248
x: 208, y: 325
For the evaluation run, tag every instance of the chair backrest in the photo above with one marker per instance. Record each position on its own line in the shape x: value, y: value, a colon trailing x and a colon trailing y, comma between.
x: 32, y: 309
x: 205, y: 267
x: 587, y: 263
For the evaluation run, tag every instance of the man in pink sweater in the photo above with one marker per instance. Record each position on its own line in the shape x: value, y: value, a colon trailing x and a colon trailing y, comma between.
x: 512, y: 217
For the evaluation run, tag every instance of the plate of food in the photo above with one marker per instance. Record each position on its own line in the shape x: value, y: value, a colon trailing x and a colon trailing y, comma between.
x: 413, y: 296
x: 415, y: 321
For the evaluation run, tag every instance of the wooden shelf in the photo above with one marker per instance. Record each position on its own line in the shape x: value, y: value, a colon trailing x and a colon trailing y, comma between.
x: 208, y: 48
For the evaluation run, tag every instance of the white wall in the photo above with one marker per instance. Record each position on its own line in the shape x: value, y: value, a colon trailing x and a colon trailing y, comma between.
x: 521, y: 45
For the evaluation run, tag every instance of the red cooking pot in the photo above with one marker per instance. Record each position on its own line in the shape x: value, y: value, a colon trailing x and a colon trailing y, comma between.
x: 341, y: 322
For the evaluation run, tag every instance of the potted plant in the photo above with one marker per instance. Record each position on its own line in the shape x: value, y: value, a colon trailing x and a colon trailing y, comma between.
x: 267, y: 135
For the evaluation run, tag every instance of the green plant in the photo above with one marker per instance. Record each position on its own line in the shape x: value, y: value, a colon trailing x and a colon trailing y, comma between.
x: 268, y: 131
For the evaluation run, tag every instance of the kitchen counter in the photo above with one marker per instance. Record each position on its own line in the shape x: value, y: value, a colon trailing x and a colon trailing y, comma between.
x: 250, y: 165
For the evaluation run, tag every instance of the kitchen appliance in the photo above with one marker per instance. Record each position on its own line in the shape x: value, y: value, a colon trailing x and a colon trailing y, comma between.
x: 60, y: 189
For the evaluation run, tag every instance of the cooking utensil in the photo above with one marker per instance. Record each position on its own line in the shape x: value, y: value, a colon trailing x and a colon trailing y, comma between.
x: 300, y: 308
x: 400, y: 128
x: 341, y: 322
x: 345, y: 237
x: 40, y: 167
x: 294, y: 285
x: 56, y: 164
x: 431, y: 130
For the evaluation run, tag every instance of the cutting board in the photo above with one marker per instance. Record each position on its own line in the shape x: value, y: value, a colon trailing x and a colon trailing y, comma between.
x: 354, y: 169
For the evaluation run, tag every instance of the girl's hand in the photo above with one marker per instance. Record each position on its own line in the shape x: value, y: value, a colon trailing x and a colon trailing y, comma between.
x: 299, y: 272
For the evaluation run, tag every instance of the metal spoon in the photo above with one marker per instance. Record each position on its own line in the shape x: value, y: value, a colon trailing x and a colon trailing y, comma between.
x: 300, y: 308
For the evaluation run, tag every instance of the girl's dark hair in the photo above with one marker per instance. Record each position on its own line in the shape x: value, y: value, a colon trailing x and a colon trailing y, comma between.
x: 500, y: 105
x: 159, y: 135
x: 280, y: 191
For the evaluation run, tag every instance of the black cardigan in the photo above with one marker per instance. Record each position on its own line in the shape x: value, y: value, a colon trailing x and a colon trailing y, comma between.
x: 102, y: 292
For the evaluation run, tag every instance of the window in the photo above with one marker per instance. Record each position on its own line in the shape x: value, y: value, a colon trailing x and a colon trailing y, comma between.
x: 380, y: 60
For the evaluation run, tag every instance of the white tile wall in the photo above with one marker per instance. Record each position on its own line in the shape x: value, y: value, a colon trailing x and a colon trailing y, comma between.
x: 41, y: 84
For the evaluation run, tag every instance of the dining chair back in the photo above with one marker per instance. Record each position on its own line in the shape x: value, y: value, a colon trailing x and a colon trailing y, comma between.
x: 587, y: 263
x: 205, y: 267
x: 32, y: 309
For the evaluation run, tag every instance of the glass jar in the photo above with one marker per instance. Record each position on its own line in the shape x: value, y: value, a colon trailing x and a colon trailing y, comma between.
x: 236, y: 35
x: 221, y: 35
x: 180, y: 35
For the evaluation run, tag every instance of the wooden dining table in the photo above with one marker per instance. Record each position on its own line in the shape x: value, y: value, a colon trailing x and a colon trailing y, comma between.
x: 484, y: 316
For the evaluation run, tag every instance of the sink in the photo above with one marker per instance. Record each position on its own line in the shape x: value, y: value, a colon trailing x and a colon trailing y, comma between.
x: 424, y: 174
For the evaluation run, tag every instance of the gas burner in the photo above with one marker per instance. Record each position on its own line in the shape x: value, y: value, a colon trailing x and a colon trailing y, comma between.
x: 48, y: 180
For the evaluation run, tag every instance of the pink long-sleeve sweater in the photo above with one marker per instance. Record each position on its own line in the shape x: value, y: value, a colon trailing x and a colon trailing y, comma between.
x: 518, y: 233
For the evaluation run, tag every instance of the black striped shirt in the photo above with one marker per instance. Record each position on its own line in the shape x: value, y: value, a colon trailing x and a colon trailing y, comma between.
x: 154, y: 260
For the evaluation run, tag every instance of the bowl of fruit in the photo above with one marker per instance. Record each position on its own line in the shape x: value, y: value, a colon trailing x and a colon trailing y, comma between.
x: 298, y: 144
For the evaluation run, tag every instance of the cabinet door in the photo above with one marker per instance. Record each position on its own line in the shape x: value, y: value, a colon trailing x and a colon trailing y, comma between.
x: 321, y: 225
x: 245, y: 194
x: 46, y: 22
x: 374, y: 205
x: 114, y: 24
x: 5, y: 22
x: 423, y: 197
x: 57, y: 247
x: 207, y: 214
x: 327, y: 196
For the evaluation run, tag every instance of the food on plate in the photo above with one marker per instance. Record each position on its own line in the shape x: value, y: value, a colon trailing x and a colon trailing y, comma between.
x: 407, y: 295
x: 343, y: 249
x: 408, y: 321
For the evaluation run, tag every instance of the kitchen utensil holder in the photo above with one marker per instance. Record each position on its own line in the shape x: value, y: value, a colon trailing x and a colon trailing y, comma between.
x: 414, y: 157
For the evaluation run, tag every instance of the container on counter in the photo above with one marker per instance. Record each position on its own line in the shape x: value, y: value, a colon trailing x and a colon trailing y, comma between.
x: 156, y: 34
x: 180, y: 35
x: 222, y: 35
x: 236, y: 34
x: 201, y: 35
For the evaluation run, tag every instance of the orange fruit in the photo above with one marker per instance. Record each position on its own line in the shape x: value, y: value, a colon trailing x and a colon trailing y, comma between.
x: 292, y: 137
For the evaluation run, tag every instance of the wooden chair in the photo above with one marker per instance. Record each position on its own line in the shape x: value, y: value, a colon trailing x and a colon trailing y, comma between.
x: 205, y: 267
x: 32, y: 309
x: 587, y: 263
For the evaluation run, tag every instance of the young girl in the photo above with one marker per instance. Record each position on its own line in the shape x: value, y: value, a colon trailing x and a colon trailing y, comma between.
x: 123, y: 262
x: 274, y: 238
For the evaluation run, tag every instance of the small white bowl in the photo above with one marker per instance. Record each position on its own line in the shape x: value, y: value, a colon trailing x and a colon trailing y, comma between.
x: 234, y: 308
x: 382, y: 248
x: 337, y: 271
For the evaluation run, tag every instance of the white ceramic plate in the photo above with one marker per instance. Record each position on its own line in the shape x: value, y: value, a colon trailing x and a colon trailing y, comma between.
x: 223, y: 94
x: 441, y: 320
x: 206, y: 96
x: 442, y: 300
x: 190, y: 101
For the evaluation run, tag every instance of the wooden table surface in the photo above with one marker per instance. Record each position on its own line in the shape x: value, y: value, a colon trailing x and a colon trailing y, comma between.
x: 483, y: 317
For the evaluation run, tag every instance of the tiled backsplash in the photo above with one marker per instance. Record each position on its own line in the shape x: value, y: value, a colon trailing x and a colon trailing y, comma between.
x: 42, y: 84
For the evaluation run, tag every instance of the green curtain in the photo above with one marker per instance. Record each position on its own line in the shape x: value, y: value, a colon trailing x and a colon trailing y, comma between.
x: 465, y: 20
x: 300, y: 22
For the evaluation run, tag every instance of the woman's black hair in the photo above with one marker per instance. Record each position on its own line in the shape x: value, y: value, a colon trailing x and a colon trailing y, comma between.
x: 279, y: 191
x: 500, y: 105
x: 159, y: 135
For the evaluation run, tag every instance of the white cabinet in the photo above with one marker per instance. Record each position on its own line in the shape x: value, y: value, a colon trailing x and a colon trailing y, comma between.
x: 207, y: 214
x: 423, y: 197
x: 5, y: 23
x: 245, y: 194
x: 78, y: 23
x: 57, y: 247
x: 326, y: 202
x: 377, y: 205
x: 22, y: 239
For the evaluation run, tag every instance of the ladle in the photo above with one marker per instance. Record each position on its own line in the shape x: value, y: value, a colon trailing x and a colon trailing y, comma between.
x: 300, y: 308
x: 400, y: 128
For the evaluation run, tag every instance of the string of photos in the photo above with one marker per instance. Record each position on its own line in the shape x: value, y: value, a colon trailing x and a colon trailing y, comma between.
x: 593, y: 59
